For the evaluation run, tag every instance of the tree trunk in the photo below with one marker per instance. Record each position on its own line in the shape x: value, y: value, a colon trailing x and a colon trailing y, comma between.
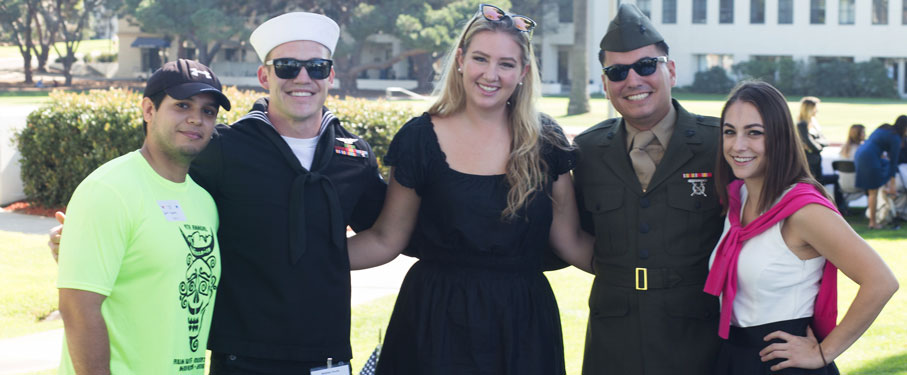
x: 26, y: 64
x: 424, y: 70
x: 579, y: 94
x: 68, y: 60
x: 47, y: 35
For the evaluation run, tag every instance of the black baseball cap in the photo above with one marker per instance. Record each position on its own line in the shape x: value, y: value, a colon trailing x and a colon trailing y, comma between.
x: 183, y: 78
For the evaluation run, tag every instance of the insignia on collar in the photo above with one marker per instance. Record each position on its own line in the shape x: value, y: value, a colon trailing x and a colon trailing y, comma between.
x: 697, y: 180
x: 348, y: 141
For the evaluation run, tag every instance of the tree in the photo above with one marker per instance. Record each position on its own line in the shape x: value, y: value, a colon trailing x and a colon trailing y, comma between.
x: 206, y: 24
x: 46, y: 34
x: 579, y: 93
x: 15, y: 19
x: 72, y: 18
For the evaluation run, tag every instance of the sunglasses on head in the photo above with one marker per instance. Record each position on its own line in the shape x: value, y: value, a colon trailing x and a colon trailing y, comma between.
x: 643, y: 67
x: 289, y: 68
x: 493, y: 13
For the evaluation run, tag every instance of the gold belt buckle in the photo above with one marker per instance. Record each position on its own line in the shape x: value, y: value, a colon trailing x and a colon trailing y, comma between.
x: 644, y: 278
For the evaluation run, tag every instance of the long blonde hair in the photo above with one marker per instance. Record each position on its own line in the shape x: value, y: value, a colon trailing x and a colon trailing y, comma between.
x: 807, y: 108
x: 526, y: 169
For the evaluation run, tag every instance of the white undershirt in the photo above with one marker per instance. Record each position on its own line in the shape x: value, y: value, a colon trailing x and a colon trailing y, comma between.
x: 773, y: 284
x: 303, y: 148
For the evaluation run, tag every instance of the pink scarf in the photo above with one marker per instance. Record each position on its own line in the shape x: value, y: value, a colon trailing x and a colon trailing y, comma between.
x: 722, y: 280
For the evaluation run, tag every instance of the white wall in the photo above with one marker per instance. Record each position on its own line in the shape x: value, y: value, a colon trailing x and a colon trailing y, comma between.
x: 802, y: 40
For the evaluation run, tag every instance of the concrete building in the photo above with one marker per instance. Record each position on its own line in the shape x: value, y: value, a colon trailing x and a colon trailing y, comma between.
x: 706, y: 33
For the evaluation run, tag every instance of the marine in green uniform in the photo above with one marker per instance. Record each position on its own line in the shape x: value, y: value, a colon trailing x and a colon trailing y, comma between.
x: 645, y: 189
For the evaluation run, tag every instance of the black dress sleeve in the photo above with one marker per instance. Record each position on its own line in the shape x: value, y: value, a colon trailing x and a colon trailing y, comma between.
x: 408, y: 153
x: 558, y: 153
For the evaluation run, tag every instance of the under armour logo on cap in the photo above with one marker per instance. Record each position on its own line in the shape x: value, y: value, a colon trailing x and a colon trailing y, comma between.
x: 195, y: 72
x: 182, y: 78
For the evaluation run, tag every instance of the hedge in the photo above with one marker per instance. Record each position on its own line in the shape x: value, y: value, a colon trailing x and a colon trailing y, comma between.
x: 75, y: 133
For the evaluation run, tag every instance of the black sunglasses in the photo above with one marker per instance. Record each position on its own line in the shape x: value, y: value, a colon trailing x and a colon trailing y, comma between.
x: 643, y: 67
x: 289, y: 68
x: 493, y: 13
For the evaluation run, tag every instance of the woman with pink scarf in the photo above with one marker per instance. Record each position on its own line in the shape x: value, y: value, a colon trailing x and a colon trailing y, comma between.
x: 774, y: 267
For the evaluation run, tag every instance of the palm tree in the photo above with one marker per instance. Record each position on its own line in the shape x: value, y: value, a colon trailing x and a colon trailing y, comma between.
x: 579, y: 94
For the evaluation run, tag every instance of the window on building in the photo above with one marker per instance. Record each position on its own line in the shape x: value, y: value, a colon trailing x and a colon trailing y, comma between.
x: 817, y: 12
x: 846, y: 12
x: 645, y: 6
x: 707, y: 61
x: 699, y: 11
x: 563, y: 65
x: 830, y: 59
x: 565, y: 11
x: 234, y: 54
x: 904, y: 20
x: 785, y: 12
x: 879, y: 12
x: 669, y: 11
x: 726, y: 11
x: 757, y: 11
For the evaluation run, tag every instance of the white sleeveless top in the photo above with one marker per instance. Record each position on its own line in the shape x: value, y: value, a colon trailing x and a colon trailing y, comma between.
x: 772, y: 283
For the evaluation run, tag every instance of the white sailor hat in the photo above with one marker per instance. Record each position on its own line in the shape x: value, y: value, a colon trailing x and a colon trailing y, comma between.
x: 292, y: 27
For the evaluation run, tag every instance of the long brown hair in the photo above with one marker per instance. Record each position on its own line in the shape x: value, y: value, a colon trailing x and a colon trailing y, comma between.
x: 785, y: 161
x: 855, y: 137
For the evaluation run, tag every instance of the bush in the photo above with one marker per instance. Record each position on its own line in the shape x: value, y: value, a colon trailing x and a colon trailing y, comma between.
x: 828, y: 78
x: 100, y: 58
x: 71, y: 136
x: 712, y: 81
x: 376, y: 121
x: 74, y: 134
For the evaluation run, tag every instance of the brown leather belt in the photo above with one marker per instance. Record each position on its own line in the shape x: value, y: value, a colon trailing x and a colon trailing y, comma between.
x: 650, y: 278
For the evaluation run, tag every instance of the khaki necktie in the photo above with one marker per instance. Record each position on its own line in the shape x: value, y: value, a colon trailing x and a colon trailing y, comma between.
x: 642, y: 162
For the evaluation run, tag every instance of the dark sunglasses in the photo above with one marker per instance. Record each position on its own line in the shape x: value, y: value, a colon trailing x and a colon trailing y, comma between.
x: 643, y: 67
x: 289, y: 68
x: 493, y: 13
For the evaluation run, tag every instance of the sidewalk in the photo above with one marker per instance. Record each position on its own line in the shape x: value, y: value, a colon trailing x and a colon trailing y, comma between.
x: 41, y: 351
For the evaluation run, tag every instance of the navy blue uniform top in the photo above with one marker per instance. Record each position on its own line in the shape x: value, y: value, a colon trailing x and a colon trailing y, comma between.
x: 285, y: 289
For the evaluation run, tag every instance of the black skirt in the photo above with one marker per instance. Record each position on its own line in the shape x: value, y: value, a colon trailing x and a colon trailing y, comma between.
x: 739, y: 354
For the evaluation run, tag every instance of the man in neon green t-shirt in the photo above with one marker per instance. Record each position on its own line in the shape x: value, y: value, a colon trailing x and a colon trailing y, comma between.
x: 141, y: 264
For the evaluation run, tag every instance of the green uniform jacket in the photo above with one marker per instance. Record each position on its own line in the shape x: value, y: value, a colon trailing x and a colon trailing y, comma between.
x: 670, y: 230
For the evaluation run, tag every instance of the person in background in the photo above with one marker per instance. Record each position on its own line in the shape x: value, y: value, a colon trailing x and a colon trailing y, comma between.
x: 775, y: 265
x: 482, y: 183
x: 814, y: 142
x: 811, y: 134
x: 855, y: 137
x: 875, y: 171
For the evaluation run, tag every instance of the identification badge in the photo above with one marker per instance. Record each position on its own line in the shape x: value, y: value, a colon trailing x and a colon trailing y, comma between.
x: 339, y: 369
x: 697, y: 180
x: 172, y: 210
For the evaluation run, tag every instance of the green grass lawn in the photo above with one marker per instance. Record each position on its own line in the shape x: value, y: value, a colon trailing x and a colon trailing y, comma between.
x: 835, y: 114
x: 23, y: 98
x: 881, y: 350
x: 28, y: 276
x: 87, y: 47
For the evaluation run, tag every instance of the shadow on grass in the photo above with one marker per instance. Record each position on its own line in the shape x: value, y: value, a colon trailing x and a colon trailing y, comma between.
x: 856, y: 217
x: 896, y: 364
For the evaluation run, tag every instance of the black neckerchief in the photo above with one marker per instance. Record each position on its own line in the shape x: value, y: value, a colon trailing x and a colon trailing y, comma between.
x: 324, y: 151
